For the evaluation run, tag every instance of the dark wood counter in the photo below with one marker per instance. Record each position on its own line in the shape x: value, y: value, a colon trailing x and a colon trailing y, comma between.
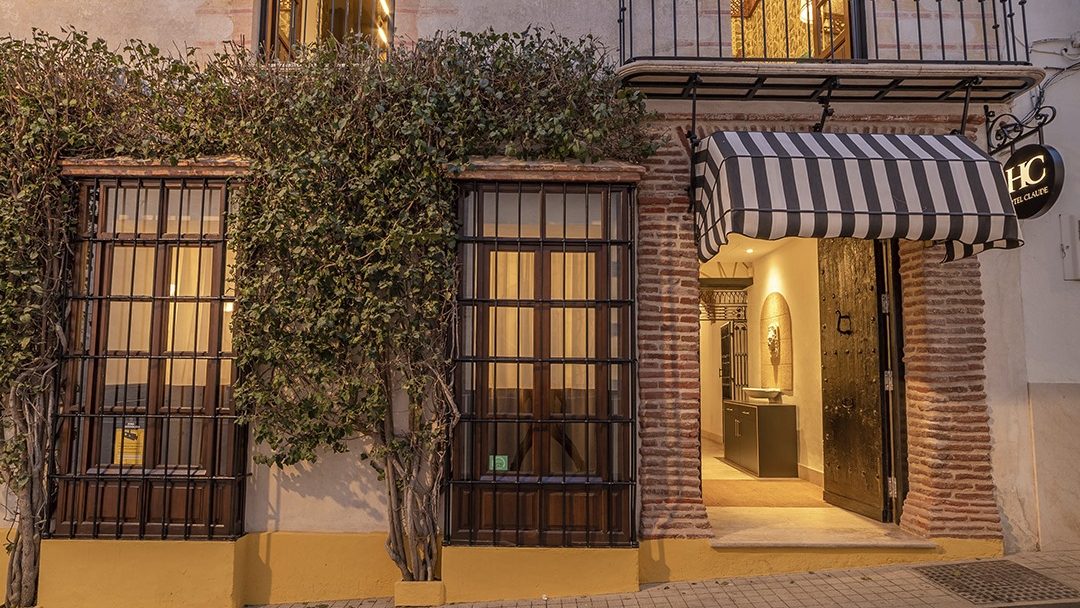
x: 761, y: 438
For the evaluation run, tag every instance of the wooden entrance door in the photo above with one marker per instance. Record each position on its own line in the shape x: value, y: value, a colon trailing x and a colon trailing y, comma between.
x: 852, y: 374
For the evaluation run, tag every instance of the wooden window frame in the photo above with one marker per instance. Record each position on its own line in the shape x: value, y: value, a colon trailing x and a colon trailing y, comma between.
x: 597, y: 504
x: 202, y: 495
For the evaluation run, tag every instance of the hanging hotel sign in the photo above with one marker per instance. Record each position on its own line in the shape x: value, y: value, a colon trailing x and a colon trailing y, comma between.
x: 1034, y: 175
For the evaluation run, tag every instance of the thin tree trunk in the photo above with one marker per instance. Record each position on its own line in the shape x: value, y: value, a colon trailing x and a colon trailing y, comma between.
x: 24, y: 564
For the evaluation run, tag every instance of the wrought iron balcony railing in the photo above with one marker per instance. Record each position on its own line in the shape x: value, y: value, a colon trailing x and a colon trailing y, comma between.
x: 909, y: 31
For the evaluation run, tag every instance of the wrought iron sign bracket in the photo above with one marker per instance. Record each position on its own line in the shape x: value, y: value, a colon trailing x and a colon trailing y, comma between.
x: 826, y: 108
x: 1005, y: 130
x: 968, y: 84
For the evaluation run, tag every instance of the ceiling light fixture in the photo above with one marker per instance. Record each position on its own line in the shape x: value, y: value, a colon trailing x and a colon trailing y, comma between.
x: 749, y: 251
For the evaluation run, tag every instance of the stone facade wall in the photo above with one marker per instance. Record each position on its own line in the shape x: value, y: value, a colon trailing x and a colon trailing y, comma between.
x: 204, y: 24
x: 951, y: 488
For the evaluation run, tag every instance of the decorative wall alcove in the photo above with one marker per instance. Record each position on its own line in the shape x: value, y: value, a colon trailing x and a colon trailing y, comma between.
x: 777, y: 369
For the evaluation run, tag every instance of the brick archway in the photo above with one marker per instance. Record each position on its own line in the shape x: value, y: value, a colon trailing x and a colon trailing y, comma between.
x: 951, y: 491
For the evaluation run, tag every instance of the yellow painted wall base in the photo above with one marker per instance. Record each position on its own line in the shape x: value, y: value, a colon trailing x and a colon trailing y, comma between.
x: 285, y: 567
x: 419, y: 593
x: 504, y: 573
x: 666, y: 560
x: 260, y: 568
x: 110, y: 573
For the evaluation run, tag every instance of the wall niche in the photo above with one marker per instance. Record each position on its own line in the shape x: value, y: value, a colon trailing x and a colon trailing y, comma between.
x: 777, y: 370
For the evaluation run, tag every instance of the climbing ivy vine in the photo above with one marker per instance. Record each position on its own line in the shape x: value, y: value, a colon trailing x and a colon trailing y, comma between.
x: 343, y: 229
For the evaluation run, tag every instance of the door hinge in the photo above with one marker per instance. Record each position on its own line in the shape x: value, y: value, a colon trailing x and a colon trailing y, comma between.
x: 888, y: 380
x: 892, y: 488
x: 884, y: 303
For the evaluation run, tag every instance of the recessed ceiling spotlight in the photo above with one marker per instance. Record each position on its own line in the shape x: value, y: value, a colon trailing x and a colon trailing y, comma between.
x: 749, y: 251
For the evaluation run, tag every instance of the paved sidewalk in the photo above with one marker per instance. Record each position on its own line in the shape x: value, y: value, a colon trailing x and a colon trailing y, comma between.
x: 890, y: 586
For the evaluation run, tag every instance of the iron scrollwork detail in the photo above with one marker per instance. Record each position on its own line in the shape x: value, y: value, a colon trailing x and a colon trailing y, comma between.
x: 1004, y: 130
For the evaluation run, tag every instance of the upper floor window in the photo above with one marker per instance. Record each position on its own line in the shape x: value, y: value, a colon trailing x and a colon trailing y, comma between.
x: 790, y: 29
x: 288, y: 25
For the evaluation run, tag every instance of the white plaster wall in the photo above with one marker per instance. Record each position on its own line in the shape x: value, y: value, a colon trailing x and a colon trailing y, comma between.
x: 206, y: 24
x: 792, y: 270
x: 712, y: 410
x: 1013, y: 456
x: 1034, y: 375
x: 1051, y: 319
x: 425, y: 18
x: 337, y: 493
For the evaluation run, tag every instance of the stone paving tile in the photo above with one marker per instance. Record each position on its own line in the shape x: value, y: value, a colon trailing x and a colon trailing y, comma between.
x: 884, y: 587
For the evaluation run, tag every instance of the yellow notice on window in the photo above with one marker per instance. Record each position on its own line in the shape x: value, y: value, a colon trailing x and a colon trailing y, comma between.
x: 128, y: 446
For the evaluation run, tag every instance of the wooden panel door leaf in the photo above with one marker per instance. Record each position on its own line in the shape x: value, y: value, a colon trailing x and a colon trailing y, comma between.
x: 851, y: 376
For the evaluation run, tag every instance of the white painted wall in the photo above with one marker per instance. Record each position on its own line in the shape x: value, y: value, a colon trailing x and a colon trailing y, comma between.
x: 338, y: 493
x: 206, y: 24
x: 1033, y: 329
x: 712, y: 411
x: 1051, y: 304
x: 792, y: 270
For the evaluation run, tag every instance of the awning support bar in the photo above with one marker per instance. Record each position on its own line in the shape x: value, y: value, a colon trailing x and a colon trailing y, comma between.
x: 692, y: 138
x: 826, y: 109
x: 969, y: 84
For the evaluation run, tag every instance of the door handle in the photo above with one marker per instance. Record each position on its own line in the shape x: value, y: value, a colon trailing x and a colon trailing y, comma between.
x: 738, y: 431
x: 841, y: 319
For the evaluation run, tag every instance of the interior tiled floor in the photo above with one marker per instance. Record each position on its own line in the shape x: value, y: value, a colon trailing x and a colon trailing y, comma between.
x: 802, y: 524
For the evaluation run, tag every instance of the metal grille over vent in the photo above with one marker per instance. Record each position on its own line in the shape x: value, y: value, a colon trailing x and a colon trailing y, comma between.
x: 997, y: 582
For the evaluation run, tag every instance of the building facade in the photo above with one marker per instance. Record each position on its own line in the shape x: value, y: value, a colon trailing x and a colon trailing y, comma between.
x: 929, y: 405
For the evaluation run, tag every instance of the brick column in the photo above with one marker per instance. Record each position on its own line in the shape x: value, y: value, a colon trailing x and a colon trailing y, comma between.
x: 669, y: 465
x: 951, y: 490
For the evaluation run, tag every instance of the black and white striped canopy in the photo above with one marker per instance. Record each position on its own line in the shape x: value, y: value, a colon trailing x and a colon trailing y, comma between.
x: 767, y: 185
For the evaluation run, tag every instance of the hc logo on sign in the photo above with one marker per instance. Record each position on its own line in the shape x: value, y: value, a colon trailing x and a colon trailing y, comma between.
x: 1021, y: 176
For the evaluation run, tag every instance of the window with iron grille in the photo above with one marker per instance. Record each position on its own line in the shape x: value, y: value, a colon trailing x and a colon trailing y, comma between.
x: 544, y: 452
x: 148, y: 444
x: 287, y: 25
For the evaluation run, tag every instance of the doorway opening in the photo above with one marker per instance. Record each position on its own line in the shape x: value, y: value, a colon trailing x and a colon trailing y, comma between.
x: 801, y: 393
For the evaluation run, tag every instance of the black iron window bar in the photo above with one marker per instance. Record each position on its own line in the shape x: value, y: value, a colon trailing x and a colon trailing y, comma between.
x: 545, y: 450
x: 147, y: 440
x: 287, y: 25
x: 924, y: 31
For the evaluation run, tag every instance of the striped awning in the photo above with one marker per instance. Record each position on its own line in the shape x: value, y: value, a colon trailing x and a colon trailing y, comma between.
x: 767, y: 185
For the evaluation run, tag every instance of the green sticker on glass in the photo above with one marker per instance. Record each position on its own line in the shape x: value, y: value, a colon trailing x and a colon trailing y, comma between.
x: 499, y: 462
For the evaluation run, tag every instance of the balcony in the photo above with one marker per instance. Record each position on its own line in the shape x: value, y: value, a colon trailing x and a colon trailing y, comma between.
x: 972, y: 51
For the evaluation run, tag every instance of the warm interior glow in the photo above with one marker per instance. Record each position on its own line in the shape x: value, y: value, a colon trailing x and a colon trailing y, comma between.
x: 384, y: 6
x: 749, y: 251
x: 382, y: 36
x: 804, y: 11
